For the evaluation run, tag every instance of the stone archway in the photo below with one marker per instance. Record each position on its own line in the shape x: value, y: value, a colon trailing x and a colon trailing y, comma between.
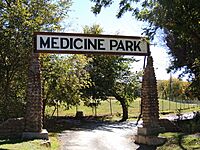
x: 150, y: 111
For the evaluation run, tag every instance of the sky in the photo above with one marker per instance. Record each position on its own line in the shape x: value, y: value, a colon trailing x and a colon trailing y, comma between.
x: 80, y: 15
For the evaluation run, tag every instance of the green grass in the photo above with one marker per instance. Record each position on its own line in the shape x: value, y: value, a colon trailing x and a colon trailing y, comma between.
x: 180, y: 141
x: 173, y: 106
x: 55, y: 144
x: 102, y: 109
x: 134, y: 109
x: 176, y: 141
x: 15, y: 144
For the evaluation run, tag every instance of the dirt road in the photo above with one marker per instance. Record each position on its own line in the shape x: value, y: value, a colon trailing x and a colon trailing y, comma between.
x: 105, y: 136
x: 100, y: 136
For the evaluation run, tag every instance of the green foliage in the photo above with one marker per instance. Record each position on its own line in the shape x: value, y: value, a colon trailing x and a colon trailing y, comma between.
x: 111, y: 76
x: 178, y: 141
x: 106, y: 72
x: 179, y: 21
x: 174, y: 89
x: 99, y: 4
x: 94, y: 29
x: 63, y: 78
x: 110, y: 73
x: 18, y: 20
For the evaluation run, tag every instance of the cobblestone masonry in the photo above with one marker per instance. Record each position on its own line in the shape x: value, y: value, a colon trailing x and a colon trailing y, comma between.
x: 33, y: 119
x: 148, y: 134
x: 150, y: 110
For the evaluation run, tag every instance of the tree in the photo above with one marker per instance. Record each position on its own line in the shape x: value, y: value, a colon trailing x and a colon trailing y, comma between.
x: 180, y: 22
x: 175, y: 89
x: 18, y: 21
x: 162, y: 87
x: 63, y: 78
x: 111, y: 76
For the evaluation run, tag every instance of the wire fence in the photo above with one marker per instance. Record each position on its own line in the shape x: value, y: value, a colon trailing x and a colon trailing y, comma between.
x: 113, y: 108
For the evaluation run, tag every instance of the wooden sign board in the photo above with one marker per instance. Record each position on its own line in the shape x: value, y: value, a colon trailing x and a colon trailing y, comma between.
x: 73, y: 43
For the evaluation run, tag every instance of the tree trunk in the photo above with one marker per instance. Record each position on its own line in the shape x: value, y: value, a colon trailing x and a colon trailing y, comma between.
x: 122, y: 101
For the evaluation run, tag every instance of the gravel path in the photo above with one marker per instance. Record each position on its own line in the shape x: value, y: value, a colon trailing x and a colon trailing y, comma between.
x: 97, y: 136
x: 104, y: 136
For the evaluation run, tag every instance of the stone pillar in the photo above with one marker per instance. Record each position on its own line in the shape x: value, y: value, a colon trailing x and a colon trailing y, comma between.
x: 149, y: 98
x: 33, y: 119
x: 150, y: 109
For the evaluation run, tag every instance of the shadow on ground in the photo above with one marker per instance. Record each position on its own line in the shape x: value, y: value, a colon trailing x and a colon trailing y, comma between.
x: 59, y: 124
x: 146, y: 147
x: 12, y: 141
x: 90, y: 124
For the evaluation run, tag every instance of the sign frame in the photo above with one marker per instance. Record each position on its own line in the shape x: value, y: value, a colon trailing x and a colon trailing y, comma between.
x: 92, y: 36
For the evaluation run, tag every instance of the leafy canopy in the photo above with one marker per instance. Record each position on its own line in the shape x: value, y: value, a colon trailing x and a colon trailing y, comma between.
x: 63, y: 78
x: 111, y: 76
x: 18, y: 20
x: 180, y: 22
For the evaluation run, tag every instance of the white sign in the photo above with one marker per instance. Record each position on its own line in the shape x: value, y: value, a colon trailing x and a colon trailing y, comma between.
x: 87, y: 43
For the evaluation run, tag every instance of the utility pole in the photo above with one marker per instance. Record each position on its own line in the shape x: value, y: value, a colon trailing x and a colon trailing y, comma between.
x: 110, y: 106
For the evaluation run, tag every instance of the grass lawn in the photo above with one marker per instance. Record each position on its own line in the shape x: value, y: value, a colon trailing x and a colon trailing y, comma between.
x: 165, y: 106
x: 180, y: 141
x: 30, y: 145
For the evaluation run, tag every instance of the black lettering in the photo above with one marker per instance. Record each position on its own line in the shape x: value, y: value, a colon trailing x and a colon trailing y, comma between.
x: 90, y: 43
x: 75, y: 43
x: 137, y: 46
x: 85, y: 43
x: 64, y: 41
x: 129, y: 45
x: 45, y: 44
x: 71, y: 43
x: 120, y: 46
x: 100, y: 44
x: 113, y: 43
x: 54, y: 42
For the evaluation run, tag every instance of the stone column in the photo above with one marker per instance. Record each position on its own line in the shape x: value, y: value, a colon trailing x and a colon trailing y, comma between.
x: 33, y: 119
x: 150, y: 109
x: 149, y: 98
